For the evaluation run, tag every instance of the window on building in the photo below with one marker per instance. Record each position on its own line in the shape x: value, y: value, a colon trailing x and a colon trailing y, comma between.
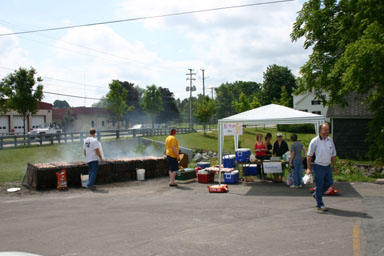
x: 316, y: 102
x: 92, y: 123
x: 316, y: 112
x: 102, y: 123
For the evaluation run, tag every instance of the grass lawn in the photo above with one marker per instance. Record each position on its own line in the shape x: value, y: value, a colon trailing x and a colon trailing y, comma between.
x: 13, y: 162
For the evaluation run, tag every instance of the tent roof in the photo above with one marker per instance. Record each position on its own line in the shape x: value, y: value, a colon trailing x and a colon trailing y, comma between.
x: 273, y: 114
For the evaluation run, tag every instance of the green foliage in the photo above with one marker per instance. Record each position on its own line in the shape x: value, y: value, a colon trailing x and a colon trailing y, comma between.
x: 275, y: 77
x: 102, y: 103
x: 285, y: 99
x: 230, y: 92
x: 116, y: 101
x: 255, y: 103
x: 204, y: 109
x: 242, y: 104
x: 347, y: 39
x: 60, y: 104
x: 296, y: 128
x: 152, y: 102
x: 23, y: 91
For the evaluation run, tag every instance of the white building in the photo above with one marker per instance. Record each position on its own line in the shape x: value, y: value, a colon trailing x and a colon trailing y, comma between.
x: 309, y: 103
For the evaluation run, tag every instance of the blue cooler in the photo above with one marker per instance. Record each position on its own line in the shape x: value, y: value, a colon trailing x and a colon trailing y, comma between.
x: 243, y: 154
x: 250, y: 170
x: 229, y: 161
x: 203, y: 165
x: 231, y: 178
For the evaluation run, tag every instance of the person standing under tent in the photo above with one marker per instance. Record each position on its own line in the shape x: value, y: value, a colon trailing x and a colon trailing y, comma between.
x: 172, y: 152
x: 323, y: 150
x: 92, y: 155
x: 268, y: 153
x: 280, y: 147
x: 296, y: 161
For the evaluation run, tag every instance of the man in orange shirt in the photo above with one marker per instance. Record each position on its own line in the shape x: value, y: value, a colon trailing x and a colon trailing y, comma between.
x: 172, y: 152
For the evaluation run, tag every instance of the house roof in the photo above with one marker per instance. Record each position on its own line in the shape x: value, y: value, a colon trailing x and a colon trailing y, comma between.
x: 355, y: 109
x: 59, y: 113
x: 273, y: 114
x: 45, y: 105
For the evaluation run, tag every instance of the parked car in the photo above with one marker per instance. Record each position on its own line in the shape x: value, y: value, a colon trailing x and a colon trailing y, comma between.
x: 46, y: 128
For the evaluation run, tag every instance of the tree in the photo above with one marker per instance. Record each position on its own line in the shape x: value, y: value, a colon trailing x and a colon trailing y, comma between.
x: 116, y: 101
x: 24, y: 92
x: 230, y: 92
x: 204, y: 109
x: 170, y: 111
x: 102, y: 103
x: 255, y: 103
x: 60, y: 104
x: 285, y: 98
x: 275, y: 77
x: 68, y: 119
x: 347, y: 41
x: 242, y: 104
x: 152, y: 102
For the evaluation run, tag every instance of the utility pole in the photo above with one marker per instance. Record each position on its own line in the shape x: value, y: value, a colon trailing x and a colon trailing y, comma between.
x: 202, y: 70
x: 190, y: 88
x: 212, y: 91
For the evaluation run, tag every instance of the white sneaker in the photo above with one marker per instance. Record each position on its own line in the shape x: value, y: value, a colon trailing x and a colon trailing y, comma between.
x: 322, y: 208
x: 301, y: 185
x: 293, y: 186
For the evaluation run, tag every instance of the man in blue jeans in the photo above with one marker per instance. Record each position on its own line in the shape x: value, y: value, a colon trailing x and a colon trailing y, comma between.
x: 92, y: 155
x: 323, y: 150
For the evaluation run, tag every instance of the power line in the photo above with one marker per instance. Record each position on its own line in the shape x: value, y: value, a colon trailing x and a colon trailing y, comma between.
x: 145, y: 17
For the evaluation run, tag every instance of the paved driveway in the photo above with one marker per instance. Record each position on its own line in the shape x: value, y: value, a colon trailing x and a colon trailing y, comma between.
x: 149, y: 218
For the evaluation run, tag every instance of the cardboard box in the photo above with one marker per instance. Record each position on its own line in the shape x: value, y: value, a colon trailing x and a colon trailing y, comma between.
x: 184, y: 161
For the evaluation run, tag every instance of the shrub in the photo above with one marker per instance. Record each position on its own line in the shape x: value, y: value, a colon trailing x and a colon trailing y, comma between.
x: 296, y: 128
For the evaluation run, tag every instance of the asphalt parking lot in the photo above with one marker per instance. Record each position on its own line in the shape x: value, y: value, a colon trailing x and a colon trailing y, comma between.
x: 150, y: 218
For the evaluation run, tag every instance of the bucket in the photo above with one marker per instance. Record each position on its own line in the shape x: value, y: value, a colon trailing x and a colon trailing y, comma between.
x: 140, y: 174
x: 84, y: 180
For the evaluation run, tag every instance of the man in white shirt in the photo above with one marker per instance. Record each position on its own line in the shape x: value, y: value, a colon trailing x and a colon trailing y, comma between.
x: 323, y: 150
x: 92, y: 155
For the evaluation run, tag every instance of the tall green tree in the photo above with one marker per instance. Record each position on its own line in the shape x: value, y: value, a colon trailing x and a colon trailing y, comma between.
x: 275, y: 77
x: 23, y: 92
x: 170, y: 111
x: 230, y: 92
x: 116, y: 102
x: 285, y: 98
x: 243, y: 104
x: 347, y: 41
x: 60, y: 104
x: 152, y: 102
x: 255, y: 103
x: 204, y: 109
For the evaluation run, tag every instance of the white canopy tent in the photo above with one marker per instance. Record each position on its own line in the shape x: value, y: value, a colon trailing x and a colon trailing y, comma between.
x: 269, y: 114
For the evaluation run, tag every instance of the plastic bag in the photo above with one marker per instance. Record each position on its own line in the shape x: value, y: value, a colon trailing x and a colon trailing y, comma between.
x: 62, y: 180
x: 308, y: 179
x: 290, y: 179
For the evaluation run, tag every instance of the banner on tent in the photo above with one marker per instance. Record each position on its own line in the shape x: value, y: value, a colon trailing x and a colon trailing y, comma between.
x: 232, y: 129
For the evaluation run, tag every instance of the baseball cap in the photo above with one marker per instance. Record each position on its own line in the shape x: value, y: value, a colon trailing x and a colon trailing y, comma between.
x: 279, y: 134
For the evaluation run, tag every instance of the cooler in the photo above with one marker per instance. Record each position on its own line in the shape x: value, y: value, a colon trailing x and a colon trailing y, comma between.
x: 250, y: 170
x: 206, y: 178
x: 243, y: 154
x: 229, y: 161
x: 204, y: 165
x: 231, y: 178
x: 186, y: 174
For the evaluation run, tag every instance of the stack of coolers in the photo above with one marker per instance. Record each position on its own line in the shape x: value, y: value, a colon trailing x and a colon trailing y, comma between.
x: 204, y: 176
x: 229, y: 161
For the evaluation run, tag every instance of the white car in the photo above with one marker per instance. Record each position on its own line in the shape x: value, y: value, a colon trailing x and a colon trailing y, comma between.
x: 46, y: 128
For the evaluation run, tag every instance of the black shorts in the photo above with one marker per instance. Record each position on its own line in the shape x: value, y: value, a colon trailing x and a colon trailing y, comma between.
x: 173, y: 164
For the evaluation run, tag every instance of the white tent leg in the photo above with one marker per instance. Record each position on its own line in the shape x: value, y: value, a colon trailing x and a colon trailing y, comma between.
x: 221, y: 142
x: 236, y: 141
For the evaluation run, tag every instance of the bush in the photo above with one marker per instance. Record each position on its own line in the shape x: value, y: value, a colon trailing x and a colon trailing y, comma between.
x: 296, y: 128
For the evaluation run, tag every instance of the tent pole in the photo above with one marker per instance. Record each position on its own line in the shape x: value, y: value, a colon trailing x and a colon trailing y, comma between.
x: 220, y: 149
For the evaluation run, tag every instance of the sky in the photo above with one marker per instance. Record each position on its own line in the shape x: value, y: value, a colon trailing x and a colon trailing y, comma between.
x: 230, y: 45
